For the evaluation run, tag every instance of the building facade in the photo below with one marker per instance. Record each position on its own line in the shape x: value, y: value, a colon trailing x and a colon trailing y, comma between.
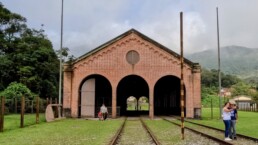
x: 130, y: 65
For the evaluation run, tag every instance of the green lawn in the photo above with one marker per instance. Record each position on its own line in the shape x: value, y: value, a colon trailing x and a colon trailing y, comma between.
x: 63, y: 132
x: 92, y: 132
x: 247, y: 123
x: 142, y: 107
x: 13, y: 121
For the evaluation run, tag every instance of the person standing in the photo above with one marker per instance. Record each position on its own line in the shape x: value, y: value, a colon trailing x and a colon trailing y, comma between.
x: 104, y: 111
x: 227, y: 119
x: 234, y: 117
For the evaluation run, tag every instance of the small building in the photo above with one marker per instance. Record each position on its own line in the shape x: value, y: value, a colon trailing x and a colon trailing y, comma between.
x: 131, y: 64
x: 245, y: 103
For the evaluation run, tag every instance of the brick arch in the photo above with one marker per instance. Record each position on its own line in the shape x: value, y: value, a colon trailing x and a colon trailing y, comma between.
x: 167, y: 95
x: 94, y: 90
x: 131, y: 85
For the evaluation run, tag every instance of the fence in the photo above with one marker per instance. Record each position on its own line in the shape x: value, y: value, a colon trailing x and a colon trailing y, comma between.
x: 22, y: 106
x: 247, y: 106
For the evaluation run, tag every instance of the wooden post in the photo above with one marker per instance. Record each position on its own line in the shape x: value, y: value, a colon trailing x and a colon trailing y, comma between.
x: 37, y: 110
x: 32, y: 106
x: 22, y: 112
x: 51, y: 101
x: 2, y: 114
x: 211, y: 109
x: 182, y: 77
x: 15, y: 101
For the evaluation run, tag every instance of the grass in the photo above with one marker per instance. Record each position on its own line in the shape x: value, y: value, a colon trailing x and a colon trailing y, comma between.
x: 12, y: 121
x: 91, y: 132
x: 142, y: 107
x: 65, y: 132
x: 163, y: 131
x: 246, y: 125
x: 168, y: 134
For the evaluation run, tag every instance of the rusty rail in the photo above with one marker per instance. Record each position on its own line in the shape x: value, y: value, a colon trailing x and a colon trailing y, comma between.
x: 239, y: 135
x: 205, y: 135
x: 154, y: 138
x: 119, y: 131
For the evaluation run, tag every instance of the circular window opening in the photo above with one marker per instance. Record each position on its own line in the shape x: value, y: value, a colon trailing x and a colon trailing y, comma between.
x: 132, y: 57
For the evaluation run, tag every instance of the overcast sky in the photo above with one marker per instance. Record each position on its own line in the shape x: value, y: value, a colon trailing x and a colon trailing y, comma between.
x: 90, y: 23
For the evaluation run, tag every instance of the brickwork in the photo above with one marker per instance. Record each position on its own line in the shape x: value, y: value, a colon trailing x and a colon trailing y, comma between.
x: 109, y: 60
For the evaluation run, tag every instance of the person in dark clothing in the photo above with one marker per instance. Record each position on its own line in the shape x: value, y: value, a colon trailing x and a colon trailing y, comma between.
x: 234, y: 117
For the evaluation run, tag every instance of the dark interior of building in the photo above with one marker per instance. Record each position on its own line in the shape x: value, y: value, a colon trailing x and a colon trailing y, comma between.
x: 135, y: 86
x: 167, y: 96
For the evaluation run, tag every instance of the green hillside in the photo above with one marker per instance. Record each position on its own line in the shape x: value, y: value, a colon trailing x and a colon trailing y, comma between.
x: 235, y: 60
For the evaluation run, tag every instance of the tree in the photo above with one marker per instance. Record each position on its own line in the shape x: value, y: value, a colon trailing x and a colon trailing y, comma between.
x: 16, y: 90
x: 26, y: 56
x: 255, y: 97
x: 241, y: 88
x: 209, y: 81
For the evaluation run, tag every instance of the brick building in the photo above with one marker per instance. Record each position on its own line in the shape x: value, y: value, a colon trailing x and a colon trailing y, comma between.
x: 130, y: 65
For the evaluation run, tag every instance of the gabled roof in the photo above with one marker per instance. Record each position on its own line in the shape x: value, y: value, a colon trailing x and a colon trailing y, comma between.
x: 126, y: 34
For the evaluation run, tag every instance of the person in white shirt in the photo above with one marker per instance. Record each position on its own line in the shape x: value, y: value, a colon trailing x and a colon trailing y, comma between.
x: 227, y: 119
x: 104, y: 111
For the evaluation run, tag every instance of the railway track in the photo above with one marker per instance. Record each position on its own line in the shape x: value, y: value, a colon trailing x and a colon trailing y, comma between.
x: 220, y: 130
x: 217, y: 133
x: 135, y: 131
x: 219, y: 141
x: 149, y: 139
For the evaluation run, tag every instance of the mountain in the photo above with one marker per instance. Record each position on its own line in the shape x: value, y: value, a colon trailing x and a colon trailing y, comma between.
x: 234, y: 60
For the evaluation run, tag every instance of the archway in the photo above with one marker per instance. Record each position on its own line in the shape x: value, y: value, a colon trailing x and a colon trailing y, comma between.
x: 135, y: 86
x: 167, y: 96
x: 94, y: 91
x: 143, y: 104
x: 131, y: 104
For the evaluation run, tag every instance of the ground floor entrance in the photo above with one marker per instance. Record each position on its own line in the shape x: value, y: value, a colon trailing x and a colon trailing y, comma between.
x: 132, y: 96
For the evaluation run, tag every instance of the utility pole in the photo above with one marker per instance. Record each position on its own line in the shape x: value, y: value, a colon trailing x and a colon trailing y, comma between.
x: 219, y: 74
x: 182, y: 98
x: 61, y: 65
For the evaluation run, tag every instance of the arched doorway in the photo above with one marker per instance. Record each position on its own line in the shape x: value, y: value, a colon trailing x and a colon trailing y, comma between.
x: 167, y: 96
x: 94, y: 91
x: 143, y: 104
x: 131, y: 86
x: 131, y: 104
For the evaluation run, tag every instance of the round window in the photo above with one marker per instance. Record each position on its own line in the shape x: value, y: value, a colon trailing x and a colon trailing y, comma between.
x: 132, y: 57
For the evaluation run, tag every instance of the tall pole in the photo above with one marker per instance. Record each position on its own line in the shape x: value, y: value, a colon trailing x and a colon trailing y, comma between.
x: 61, y: 66
x: 220, y: 106
x: 182, y: 77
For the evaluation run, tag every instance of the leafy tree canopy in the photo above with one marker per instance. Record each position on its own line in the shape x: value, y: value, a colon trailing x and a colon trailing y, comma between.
x: 26, y: 56
x: 16, y: 90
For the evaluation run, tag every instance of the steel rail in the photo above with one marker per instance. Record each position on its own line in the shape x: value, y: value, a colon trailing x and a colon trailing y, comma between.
x: 239, y: 135
x: 116, y: 136
x: 154, y: 138
x: 205, y: 135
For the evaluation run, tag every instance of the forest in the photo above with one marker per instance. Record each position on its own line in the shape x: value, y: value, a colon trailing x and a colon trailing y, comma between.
x: 28, y: 62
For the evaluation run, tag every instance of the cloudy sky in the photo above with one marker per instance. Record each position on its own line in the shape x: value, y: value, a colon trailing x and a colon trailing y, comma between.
x: 90, y: 23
